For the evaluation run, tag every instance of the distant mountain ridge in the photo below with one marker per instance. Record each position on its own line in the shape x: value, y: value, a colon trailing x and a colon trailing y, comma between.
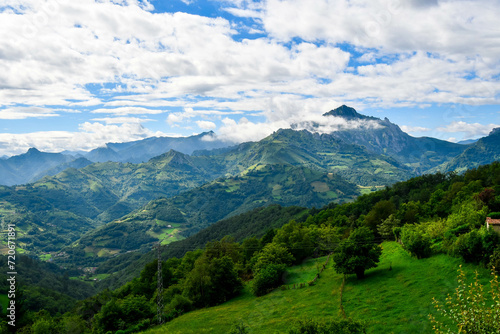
x: 34, y: 165
x: 23, y: 168
x: 419, y: 154
x: 145, y: 149
x: 58, y: 209
x: 484, y: 151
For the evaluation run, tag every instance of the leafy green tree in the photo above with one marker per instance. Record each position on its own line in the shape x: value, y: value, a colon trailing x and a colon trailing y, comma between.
x: 178, y: 305
x: 409, y: 212
x: 108, y: 319
x: 386, y: 229
x: 212, y: 281
x: 272, y: 253
x: 269, y: 266
x: 296, y: 238
x: 416, y: 242
x: 477, y: 245
x: 380, y: 212
x: 357, y: 253
x: 45, y: 324
x: 249, y: 247
x: 267, y: 278
x: 73, y: 324
x: 471, y: 309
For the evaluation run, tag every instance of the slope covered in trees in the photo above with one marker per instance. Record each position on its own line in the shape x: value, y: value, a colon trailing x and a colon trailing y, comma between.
x: 434, y: 216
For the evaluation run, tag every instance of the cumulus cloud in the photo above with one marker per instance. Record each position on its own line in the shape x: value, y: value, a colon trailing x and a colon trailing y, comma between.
x: 471, y: 130
x: 89, y: 136
x: 206, y: 125
x: 410, y: 129
x: 245, y: 130
x: 119, y: 57
x: 189, y: 112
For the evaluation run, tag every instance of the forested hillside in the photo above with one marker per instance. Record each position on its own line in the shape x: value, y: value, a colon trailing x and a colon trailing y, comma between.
x: 430, y: 215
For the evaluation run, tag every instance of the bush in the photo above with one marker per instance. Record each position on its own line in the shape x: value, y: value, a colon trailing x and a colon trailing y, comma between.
x: 494, y: 263
x: 476, y: 246
x: 470, y: 309
x: 344, y: 326
x: 238, y: 328
x: 357, y: 253
x: 268, y: 278
x: 494, y: 215
x: 416, y: 242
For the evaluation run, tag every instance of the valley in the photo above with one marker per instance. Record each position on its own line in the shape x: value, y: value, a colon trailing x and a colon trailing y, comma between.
x: 216, y: 211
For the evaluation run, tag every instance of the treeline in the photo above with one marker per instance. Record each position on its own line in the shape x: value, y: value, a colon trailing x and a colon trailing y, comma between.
x: 41, y: 286
x: 428, y: 214
x: 249, y: 224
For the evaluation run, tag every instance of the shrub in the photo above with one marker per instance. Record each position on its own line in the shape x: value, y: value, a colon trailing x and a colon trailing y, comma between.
x: 476, y: 246
x: 471, y: 309
x: 416, y: 242
x: 344, y: 326
x: 494, y: 215
x: 238, y: 328
x: 268, y: 278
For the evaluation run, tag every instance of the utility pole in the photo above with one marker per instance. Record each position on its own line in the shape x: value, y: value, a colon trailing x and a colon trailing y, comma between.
x: 159, y: 288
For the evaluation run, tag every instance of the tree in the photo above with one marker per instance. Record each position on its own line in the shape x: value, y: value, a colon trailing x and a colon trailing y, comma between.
x: 296, y: 238
x: 212, y: 281
x: 416, y: 242
x: 380, y: 212
x: 471, y: 309
x: 272, y: 253
x: 268, y: 278
x: 477, y: 245
x: 357, y: 253
x: 386, y: 228
x: 269, y: 267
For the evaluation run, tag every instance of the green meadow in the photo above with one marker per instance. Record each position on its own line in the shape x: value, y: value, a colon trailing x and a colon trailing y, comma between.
x: 395, y: 297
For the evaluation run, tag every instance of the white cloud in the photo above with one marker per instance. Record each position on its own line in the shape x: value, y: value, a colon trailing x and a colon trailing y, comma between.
x: 26, y: 112
x: 471, y: 130
x: 206, y: 125
x: 90, y: 136
x: 189, y: 112
x: 245, y: 130
x: 122, y: 58
x: 122, y: 120
x: 410, y: 129
x: 127, y: 111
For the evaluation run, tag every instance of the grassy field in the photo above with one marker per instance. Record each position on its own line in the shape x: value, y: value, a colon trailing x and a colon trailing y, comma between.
x: 395, y: 297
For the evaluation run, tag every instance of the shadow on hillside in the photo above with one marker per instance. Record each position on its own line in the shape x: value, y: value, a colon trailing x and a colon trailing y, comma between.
x: 376, y: 273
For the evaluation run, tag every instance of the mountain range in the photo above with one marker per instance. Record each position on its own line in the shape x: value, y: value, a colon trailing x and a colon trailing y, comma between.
x: 33, y: 165
x: 88, y: 212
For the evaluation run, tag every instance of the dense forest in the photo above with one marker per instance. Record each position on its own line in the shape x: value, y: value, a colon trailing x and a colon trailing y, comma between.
x: 428, y: 215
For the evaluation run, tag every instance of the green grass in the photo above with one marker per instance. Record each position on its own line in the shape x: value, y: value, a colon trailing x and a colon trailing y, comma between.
x: 45, y: 257
x: 304, y: 272
x: 399, y: 300
x: 395, y: 297
x: 99, y: 276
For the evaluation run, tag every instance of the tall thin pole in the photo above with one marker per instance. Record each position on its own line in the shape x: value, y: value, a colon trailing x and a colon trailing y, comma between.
x: 159, y: 289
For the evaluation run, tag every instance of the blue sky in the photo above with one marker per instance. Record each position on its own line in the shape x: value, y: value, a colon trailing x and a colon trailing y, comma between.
x: 77, y: 74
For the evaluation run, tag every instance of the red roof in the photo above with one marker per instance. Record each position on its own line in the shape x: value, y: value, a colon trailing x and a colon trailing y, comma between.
x: 491, y: 221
